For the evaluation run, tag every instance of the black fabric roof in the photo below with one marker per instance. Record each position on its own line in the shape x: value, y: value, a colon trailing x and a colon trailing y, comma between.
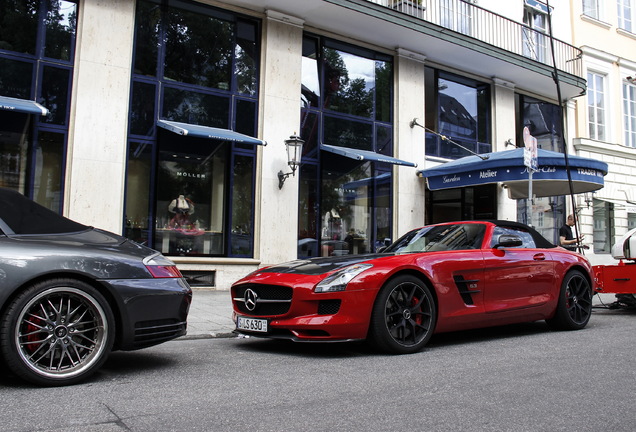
x: 23, y: 216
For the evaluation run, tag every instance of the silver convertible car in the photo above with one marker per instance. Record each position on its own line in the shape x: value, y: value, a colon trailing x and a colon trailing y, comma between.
x: 70, y: 294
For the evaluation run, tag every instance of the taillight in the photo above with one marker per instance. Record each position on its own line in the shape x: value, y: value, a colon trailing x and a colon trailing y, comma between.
x: 161, y: 267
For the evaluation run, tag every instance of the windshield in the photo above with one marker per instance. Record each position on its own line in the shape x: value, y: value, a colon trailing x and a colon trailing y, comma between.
x: 440, y: 238
x: 20, y: 215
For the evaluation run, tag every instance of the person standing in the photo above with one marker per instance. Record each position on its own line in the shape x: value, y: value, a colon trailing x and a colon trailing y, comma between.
x: 566, y: 237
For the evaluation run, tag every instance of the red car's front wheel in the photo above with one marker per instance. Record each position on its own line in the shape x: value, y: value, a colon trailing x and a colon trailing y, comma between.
x: 404, y: 316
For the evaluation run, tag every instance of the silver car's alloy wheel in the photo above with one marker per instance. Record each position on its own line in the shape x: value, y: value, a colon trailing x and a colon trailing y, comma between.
x: 61, y: 332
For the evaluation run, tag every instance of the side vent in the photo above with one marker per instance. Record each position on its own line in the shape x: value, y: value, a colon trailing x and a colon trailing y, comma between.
x: 466, y: 287
x: 199, y: 278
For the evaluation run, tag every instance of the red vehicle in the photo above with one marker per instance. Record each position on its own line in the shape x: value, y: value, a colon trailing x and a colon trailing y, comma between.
x: 619, y: 278
x: 438, y: 278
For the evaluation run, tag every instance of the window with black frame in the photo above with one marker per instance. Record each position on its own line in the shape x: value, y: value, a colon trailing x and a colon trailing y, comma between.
x: 195, y: 68
x: 543, y: 120
x: 344, y: 204
x: 459, y: 109
x: 37, y: 43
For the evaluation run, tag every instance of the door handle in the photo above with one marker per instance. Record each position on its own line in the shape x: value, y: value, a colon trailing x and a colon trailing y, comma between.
x: 539, y: 257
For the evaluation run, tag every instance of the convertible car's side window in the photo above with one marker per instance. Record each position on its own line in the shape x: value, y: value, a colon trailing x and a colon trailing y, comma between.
x: 441, y: 238
x: 525, y: 236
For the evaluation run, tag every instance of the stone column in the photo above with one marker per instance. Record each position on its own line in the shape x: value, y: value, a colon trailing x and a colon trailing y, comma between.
x: 281, y: 67
x: 99, y: 114
x: 409, y: 191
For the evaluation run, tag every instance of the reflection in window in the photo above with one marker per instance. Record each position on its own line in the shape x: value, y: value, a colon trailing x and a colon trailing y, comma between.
x: 37, y: 39
x: 592, y: 9
x: 535, y: 33
x: 48, y: 168
x: 55, y: 94
x: 603, y: 235
x: 459, y: 109
x: 596, y: 105
x: 626, y: 11
x: 346, y: 100
x: 527, y: 242
x: 192, y: 196
x: 543, y: 119
x: 16, y: 78
x: 629, y: 114
x: 194, y: 58
x: 19, y: 25
x: 60, y: 30
x: 195, y: 107
x: 349, y: 83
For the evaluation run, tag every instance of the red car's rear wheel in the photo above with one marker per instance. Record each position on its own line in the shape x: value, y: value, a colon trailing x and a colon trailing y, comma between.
x: 404, y: 316
x: 575, y: 303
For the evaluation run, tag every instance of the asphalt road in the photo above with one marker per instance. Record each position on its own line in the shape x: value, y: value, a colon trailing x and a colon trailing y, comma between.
x: 515, y: 378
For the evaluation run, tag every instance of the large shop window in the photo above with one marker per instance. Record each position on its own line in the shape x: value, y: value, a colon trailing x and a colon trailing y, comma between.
x: 543, y: 120
x: 457, y: 204
x: 192, y: 151
x: 458, y: 108
x: 37, y: 41
x: 344, y: 204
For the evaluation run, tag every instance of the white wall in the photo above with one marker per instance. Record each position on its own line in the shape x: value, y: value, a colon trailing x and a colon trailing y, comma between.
x: 409, y: 191
x: 97, y: 134
x: 277, y: 226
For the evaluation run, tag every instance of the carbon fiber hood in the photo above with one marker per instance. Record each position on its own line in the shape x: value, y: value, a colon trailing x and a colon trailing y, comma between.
x: 317, y: 266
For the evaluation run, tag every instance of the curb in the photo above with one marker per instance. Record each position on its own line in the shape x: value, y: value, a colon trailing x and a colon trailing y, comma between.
x: 211, y: 335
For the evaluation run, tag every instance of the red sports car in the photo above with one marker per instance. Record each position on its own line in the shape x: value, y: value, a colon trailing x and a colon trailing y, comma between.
x: 438, y: 278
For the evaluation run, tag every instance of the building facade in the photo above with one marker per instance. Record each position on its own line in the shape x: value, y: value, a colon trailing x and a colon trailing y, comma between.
x: 166, y: 120
x: 605, y: 126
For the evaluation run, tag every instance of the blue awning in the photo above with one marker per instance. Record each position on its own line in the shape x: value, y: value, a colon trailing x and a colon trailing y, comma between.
x: 507, y: 167
x: 22, y: 106
x: 363, y: 155
x: 198, y: 131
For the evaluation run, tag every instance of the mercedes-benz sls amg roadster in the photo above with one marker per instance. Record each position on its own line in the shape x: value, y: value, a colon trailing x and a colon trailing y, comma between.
x: 70, y: 294
x: 439, y: 278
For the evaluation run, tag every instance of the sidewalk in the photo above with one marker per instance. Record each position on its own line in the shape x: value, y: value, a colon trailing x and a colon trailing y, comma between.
x: 211, y: 313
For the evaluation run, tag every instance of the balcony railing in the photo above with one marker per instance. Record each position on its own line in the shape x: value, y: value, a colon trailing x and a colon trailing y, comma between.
x: 496, y: 30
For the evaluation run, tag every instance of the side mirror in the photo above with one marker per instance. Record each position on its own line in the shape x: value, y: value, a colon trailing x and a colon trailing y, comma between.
x: 507, y: 240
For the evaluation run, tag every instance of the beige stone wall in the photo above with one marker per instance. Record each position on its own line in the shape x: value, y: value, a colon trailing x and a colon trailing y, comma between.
x: 99, y: 114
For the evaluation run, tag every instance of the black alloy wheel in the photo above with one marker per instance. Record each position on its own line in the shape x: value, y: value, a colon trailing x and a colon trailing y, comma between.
x: 574, y: 308
x: 57, y: 332
x: 404, y: 316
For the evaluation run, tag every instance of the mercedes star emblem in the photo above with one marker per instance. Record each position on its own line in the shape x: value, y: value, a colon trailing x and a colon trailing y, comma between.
x: 250, y: 299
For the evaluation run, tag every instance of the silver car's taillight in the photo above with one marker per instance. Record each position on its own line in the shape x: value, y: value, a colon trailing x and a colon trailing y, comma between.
x: 161, y: 267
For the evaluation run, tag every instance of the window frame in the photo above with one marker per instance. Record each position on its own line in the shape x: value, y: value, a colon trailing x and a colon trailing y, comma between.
x: 596, y: 112
x: 629, y: 114
x: 149, y: 136
x: 312, y: 192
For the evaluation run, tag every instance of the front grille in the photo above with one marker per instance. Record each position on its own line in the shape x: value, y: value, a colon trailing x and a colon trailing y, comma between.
x: 269, y: 299
x: 148, y: 333
x: 328, y: 307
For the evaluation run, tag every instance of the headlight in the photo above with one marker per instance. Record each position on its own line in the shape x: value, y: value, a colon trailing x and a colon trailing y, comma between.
x: 339, y: 280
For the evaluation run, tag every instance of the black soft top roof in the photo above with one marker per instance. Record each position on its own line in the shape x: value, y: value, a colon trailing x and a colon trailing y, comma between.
x: 539, y: 240
x: 20, y: 215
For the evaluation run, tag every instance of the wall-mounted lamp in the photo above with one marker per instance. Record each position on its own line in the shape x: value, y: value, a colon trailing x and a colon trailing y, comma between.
x: 588, y: 197
x: 294, y: 147
x: 509, y: 142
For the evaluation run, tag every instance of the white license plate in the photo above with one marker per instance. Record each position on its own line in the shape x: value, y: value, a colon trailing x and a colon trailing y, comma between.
x: 251, y: 324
